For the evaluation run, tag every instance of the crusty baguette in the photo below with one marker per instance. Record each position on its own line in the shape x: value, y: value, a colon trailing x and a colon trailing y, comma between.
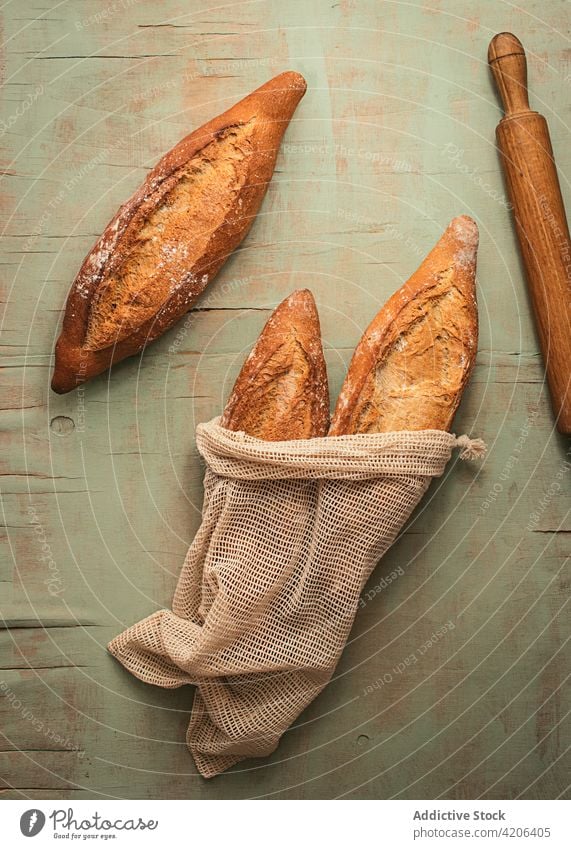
x: 414, y: 360
x: 281, y: 391
x: 169, y: 240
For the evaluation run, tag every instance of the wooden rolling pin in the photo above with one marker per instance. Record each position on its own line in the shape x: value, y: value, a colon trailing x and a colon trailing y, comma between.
x: 541, y: 223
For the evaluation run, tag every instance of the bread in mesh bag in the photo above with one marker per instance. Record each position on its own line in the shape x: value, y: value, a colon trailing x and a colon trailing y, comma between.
x: 270, y: 586
x: 410, y: 368
x: 281, y: 391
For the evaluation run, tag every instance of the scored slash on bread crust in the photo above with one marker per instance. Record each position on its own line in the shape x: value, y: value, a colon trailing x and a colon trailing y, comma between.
x: 169, y: 240
x: 415, y: 358
x: 281, y: 392
x: 203, y: 193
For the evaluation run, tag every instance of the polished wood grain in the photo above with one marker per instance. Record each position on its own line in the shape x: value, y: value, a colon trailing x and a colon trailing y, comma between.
x: 539, y: 214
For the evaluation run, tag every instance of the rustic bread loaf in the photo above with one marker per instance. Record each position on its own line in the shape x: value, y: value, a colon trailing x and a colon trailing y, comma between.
x: 169, y: 240
x: 414, y: 360
x: 281, y: 391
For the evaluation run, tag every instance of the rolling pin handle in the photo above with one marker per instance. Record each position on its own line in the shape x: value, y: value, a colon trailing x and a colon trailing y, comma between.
x: 506, y: 57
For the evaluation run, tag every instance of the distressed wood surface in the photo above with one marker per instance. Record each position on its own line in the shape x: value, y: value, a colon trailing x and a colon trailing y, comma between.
x: 102, y: 487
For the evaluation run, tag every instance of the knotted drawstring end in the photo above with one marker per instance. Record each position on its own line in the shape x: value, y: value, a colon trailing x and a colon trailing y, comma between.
x: 472, y: 449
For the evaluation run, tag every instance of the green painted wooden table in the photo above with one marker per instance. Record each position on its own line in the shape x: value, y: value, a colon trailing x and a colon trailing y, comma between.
x: 103, y: 486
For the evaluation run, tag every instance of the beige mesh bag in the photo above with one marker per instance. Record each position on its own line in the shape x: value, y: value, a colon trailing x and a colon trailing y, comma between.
x: 271, y: 583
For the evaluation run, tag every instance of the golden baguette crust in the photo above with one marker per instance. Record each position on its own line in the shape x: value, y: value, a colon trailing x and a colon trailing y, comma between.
x: 281, y: 391
x: 414, y: 360
x: 172, y: 236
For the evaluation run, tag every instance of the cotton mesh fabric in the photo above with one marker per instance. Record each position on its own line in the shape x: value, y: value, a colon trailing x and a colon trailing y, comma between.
x: 270, y: 586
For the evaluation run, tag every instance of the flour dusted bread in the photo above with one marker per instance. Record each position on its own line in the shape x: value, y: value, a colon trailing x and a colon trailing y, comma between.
x: 170, y: 239
x: 281, y: 392
x: 414, y: 360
